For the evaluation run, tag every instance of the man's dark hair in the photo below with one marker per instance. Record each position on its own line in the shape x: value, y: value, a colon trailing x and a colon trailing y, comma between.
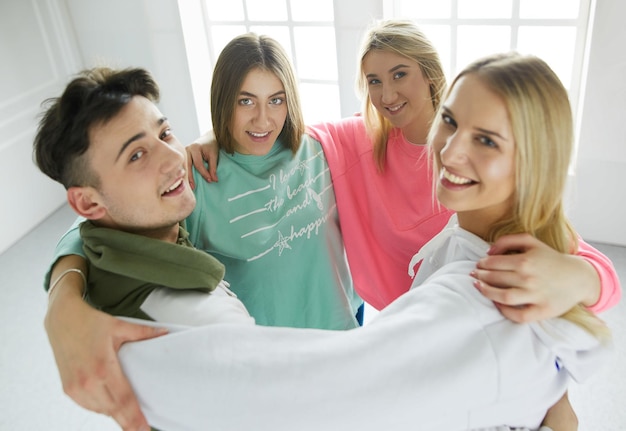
x: 93, y: 98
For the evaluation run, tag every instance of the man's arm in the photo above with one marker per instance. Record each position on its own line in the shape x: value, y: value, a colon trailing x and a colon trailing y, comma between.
x: 432, y: 348
x: 85, y: 343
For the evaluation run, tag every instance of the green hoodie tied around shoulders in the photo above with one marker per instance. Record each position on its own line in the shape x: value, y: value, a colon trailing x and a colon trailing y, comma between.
x: 124, y: 268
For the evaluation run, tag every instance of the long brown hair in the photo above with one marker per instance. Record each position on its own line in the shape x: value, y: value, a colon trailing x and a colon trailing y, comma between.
x: 241, y: 55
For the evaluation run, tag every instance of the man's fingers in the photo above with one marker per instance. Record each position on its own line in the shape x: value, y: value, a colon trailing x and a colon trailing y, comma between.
x: 107, y: 391
x: 91, y: 395
x: 127, y: 332
x: 125, y: 407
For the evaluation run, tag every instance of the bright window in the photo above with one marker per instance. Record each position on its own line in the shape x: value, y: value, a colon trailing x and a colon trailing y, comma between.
x: 463, y: 30
x: 301, y: 27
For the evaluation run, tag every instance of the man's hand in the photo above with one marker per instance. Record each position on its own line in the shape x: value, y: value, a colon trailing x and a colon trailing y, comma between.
x: 85, y: 343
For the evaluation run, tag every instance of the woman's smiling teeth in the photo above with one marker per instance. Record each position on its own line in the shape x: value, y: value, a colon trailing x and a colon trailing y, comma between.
x: 395, y: 108
x: 258, y: 135
x: 454, y: 179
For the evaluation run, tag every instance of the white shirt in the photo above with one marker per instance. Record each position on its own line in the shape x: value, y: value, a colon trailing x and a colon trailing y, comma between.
x: 440, y: 357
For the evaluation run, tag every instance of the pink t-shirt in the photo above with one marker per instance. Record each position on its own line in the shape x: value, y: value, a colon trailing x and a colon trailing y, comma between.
x: 387, y: 217
x: 611, y: 290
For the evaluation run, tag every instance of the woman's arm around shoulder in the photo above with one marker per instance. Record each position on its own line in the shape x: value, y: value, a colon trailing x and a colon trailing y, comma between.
x: 537, y: 282
x: 203, y: 149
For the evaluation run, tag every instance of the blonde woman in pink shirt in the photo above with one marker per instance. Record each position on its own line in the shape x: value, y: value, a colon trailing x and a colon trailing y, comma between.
x: 384, y: 189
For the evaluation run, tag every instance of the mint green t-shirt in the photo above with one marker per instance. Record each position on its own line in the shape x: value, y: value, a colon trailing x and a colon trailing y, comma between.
x: 272, y: 221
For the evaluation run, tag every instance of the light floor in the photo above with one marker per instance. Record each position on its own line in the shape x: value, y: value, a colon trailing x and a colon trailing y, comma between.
x: 31, y: 397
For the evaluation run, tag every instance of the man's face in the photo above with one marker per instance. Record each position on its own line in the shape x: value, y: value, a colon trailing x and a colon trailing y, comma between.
x: 142, y: 171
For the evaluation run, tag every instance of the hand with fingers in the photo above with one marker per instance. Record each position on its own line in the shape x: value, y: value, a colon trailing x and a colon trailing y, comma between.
x: 528, y: 280
x: 203, y: 149
x: 85, y: 343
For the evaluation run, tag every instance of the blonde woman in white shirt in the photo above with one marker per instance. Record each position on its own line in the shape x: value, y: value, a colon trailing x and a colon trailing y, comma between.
x: 442, y: 356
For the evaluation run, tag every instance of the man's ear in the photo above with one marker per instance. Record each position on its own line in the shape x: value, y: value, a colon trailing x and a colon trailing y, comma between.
x: 86, y: 202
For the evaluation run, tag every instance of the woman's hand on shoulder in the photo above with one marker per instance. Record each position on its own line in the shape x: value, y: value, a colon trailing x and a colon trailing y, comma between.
x: 203, y: 149
x: 528, y: 280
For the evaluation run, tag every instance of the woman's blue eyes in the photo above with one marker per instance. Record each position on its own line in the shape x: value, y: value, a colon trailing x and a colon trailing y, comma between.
x: 486, y: 141
x: 483, y: 139
x: 397, y: 75
x: 448, y: 120
x: 274, y: 101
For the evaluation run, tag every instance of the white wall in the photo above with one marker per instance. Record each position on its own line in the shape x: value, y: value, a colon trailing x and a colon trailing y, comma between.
x: 37, y: 53
x: 44, y: 43
x: 140, y: 33
x: 599, y: 209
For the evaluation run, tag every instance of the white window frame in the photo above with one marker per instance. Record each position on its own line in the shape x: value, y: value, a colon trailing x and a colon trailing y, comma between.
x: 197, y: 19
x: 582, y: 25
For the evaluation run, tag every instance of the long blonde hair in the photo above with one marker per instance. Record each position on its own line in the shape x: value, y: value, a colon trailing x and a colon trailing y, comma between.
x: 541, y: 121
x: 406, y: 39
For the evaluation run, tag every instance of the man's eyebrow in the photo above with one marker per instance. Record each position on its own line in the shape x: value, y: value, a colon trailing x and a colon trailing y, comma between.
x: 137, y: 137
